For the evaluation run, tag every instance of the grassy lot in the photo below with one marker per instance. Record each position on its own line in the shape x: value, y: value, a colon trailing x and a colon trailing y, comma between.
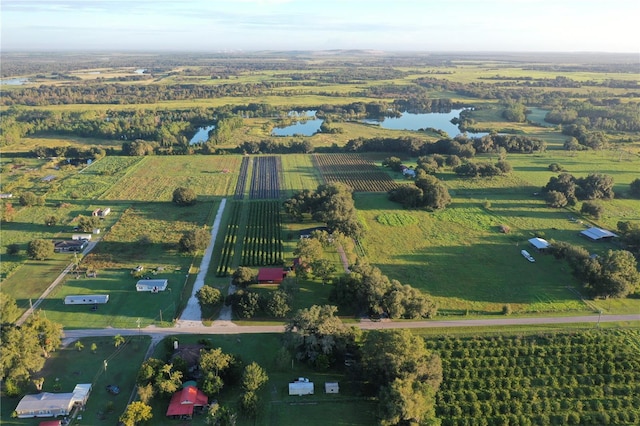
x: 150, y: 181
x: 278, y: 408
x: 68, y: 367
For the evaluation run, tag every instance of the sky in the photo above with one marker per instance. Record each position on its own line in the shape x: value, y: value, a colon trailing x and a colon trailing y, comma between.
x: 390, y: 25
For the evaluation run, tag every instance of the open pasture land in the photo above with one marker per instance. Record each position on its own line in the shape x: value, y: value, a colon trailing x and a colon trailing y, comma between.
x: 357, y: 171
x: 587, y: 378
x: 460, y: 257
x: 156, y: 177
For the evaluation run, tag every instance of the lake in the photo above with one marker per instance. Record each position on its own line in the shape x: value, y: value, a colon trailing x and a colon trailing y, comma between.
x: 308, y: 125
x: 202, y: 134
x: 436, y: 120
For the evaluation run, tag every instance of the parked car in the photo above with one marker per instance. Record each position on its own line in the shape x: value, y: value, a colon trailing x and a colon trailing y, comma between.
x: 113, y: 389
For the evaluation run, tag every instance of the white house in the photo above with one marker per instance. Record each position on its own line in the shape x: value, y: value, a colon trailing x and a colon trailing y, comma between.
x: 87, y: 299
x: 153, y: 286
x: 300, y: 387
x: 46, y: 404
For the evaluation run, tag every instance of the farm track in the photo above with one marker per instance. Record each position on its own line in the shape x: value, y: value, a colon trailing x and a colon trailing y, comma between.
x: 354, y: 170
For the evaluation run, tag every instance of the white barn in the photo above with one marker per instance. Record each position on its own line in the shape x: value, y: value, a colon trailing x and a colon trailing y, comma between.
x: 78, y: 237
x: 86, y: 299
x: 300, y: 387
x: 539, y: 243
x: 597, y: 234
x: 153, y: 286
x: 46, y: 404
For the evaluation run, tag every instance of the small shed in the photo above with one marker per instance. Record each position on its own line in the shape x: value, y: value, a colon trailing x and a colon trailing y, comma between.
x: 271, y: 275
x: 86, y: 299
x: 306, y: 233
x: 539, y: 243
x: 597, y: 234
x: 331, y: 387
x: 153, y: 286
x: 300, y: 387
x: 78, y: 237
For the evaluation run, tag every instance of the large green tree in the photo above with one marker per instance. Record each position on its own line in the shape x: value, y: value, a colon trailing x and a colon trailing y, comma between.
x: 318, y: 335
x: 136, y: 412
x: 40, y: 249
x: 194, y: 240
x: 184, y: 196
x: 618, y: 275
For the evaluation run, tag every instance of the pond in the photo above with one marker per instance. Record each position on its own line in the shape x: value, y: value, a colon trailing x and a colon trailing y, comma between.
x: 14, y: 81
x: 436, y: 120
x: 307, y: 126
x: 202, y: 135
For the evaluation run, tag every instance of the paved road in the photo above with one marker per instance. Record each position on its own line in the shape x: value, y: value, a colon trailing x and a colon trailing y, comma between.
x: 224, y: 327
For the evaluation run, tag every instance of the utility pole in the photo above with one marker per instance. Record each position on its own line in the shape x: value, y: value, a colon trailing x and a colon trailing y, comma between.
x: 138, y: 324
x: 160, y: 316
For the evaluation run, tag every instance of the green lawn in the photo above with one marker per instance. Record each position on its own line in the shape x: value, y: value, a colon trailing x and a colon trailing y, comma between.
x: 68, y: 367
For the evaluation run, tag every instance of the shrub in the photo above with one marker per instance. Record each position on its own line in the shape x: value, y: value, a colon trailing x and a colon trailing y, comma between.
x: 556, y: 199
x: 40, y: 249
x: 593, y: 209
x: 184, y: 196
x: 555, y: 167
x: 506, y: 309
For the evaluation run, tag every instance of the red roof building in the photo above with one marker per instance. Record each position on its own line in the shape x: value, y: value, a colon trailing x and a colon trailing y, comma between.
x: 271, y: 275
x: 185, y: 401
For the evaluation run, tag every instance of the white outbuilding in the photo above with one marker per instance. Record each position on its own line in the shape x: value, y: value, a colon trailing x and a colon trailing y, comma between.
x: 46, y: 404
x: 86, y: 299
x: 331, y: 387
x: 300, y: 387
x: 539, y: 243
x: 153, y: 286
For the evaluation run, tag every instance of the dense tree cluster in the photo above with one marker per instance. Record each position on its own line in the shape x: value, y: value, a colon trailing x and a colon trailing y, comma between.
x: 319, y: 337
x: 367, y: 289
x: 630, y: 236
x: 595, y: 186
x: 406, y: 373
x: 184, y: 196
x: 515, y: 112
x: 24, y: 348
x: 483, y: 169
x: 614, y: 274
x: 194, y: 240
x: 427, y: 192
x: 271, y: 147
x: 332, y: 204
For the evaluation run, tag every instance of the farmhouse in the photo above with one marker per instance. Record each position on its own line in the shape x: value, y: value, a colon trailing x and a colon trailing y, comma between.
x: 153, y: 286
x: 69, y: 246
x: 87, y: 299
x: 597, y: 234
x: 539, y: 243
x: 47, y: 404
x: 300, y: 387
x: 185, y: 401
x: 271, y: 275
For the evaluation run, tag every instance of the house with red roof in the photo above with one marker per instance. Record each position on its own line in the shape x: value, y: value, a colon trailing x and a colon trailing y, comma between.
x: 185, y: 401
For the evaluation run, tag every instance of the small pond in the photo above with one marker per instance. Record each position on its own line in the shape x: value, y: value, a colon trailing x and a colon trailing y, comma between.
x: 14, y: 81
x: 436, y: 120
x: 307, y: 126
x: 202, y: 134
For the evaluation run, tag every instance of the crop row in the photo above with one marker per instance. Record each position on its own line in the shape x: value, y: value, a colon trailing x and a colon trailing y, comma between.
x: 242, y: 179
x: 265, y: 181
x: 262, y: 243
x: 230, y: 239
x: 354, y: 170
x: 558, y: 379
